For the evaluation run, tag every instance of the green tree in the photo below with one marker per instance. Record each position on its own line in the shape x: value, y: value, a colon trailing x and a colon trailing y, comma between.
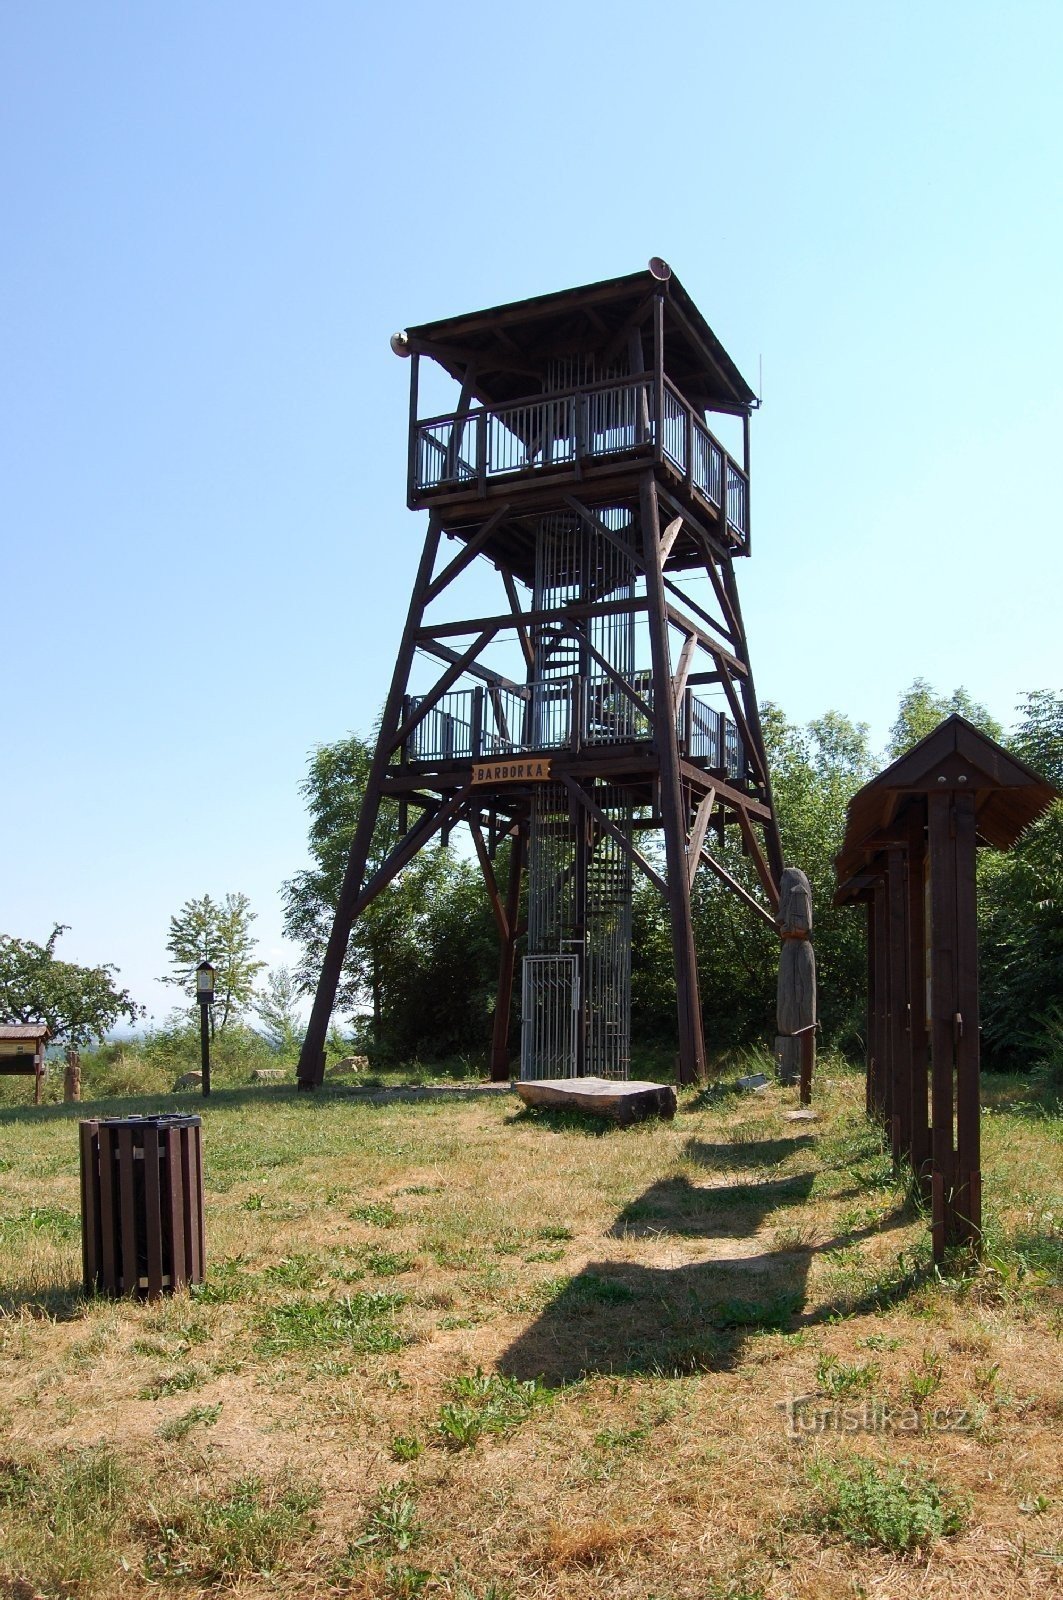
x: 921, y: 709
x: 420, y: 957
x: 277, y: 1004
x: 78, y: 1004
x: 1021, y: 906
x: 218, y: 932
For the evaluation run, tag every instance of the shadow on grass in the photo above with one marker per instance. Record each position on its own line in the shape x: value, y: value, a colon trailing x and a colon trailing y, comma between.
x: 56, y: 1302
x: 627, y: 1318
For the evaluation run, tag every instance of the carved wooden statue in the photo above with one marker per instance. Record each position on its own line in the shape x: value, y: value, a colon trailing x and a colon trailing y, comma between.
x: 795, y: 1044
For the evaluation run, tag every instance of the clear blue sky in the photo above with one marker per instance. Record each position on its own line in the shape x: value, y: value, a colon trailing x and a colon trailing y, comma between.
x: 214, y: 215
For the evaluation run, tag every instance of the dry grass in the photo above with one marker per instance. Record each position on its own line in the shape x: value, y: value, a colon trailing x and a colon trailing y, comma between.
x: 449, y: 1348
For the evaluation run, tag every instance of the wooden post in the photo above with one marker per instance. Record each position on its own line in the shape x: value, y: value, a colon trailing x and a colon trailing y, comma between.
x: 883, y: 1097
x: 795, y: 1044
x: 917, y: 1035
x: 968, y: 1197
x: 897, y: 1005
x: 507, y: 964
x: 942, y: 868
x: 691, y: 1036
x: 311, y: 1068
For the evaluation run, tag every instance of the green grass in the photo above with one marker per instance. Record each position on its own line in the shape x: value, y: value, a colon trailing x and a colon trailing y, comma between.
x: 896, y: 1508
x: 565, y: 1351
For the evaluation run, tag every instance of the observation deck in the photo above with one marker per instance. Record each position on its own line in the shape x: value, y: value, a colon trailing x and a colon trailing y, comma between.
x: 598, y: 429
x: 576, y: 394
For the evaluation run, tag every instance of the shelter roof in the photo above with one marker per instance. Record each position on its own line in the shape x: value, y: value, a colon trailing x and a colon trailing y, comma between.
x: 1009, y: 795
x: 511, y: 345
x: 23, y: 1030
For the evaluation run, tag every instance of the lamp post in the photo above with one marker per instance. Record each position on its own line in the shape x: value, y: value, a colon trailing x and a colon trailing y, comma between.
x: 205, y: 997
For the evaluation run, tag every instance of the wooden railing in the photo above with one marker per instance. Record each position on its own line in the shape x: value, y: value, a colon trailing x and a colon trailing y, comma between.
x: 565, y: 713
x: 605, y: 419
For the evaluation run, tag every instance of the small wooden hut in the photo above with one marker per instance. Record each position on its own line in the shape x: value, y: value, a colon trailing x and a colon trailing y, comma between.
x: 22, y: 1052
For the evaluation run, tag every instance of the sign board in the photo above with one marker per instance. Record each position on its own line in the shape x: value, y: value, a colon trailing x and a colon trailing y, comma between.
x: 530, y: 769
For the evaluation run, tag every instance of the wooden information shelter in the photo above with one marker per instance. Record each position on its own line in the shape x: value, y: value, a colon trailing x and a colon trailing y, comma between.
x: 909, y: 856
x: 22, y: 1047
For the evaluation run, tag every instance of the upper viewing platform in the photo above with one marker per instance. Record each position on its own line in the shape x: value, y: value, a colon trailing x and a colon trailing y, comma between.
x: 584, y: 385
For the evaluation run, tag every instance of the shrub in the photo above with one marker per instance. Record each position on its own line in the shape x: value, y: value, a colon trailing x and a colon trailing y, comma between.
x: 894, y: 1508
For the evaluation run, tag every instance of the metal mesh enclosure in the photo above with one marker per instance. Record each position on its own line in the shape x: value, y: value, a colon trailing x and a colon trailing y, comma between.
x: 579, y: 877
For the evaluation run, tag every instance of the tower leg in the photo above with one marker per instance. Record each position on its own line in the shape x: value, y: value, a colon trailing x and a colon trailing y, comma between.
x: 691, y: 1037
x: 507, y: 964
x: 311, y: 1067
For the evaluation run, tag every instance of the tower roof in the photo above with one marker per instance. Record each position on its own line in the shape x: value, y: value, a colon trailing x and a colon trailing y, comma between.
x: 511, y: 346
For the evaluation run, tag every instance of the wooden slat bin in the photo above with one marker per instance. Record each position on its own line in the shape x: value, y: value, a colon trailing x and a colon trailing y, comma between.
x: 142, y: 1204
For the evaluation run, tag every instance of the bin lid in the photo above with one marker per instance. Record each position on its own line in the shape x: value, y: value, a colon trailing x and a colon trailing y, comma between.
x: 165, y: 1119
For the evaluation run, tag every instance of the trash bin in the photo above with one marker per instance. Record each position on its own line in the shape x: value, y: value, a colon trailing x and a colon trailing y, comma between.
x: 142, y: 1204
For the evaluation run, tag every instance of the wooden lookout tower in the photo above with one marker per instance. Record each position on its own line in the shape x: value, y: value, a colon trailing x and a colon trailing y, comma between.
x: 607, y: 692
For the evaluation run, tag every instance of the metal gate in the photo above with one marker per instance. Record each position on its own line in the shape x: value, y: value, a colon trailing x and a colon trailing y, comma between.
x: 550, y: 1012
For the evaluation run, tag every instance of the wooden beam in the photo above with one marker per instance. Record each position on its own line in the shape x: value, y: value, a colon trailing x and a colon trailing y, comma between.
x: 609, y: 827
x: 532, y: 619
x: 771, y: 888
x: 736, y: 888
x: 527, y: 648
x: 499, y: 911
x: 466, y: 556
x: 436, y: 693
x: 698, y: 832
x: 669, y: 537
x: 711, y: 646
x: 485, y: 674
x: 682, y: 671
x: 311, y: 1057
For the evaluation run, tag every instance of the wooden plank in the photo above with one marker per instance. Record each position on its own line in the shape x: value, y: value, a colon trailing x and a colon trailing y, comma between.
x: 174, y: 1212
x: 711, y: 646
x: 494, y: 680
x: 682, y: 671
x: 153, y: 1208
x: 620, y: 1101
x: 127, y: 1194
x: 108, y: 1207
x: 532, y: 619
x: 89, y: 1140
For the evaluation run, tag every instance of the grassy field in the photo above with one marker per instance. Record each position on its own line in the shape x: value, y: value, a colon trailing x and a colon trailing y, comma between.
x: 447, y: 1347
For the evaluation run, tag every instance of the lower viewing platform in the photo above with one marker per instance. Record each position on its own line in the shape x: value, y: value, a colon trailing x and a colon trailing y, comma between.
x: 565, y: 713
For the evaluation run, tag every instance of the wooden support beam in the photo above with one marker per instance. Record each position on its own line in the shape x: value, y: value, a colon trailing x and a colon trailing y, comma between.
x: 507, y: 963
x: 312, y: 1055
x: 698, y: 832
x: 771, y: 888
x: 691, y: 1035
x: 527, y: 648
x: 466, y: 556
x: 736, y: 888
x: 669, y: 537
x: 900, y: 1059
x: 682, y: 671
x: 692, y: 605
x: 494, y: 680
x: 607, y: 826
x: 439, y: 689
x: 532, y: 619
x: 711, y: 646
x: 917, y: 1041
x: 497, y: 908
